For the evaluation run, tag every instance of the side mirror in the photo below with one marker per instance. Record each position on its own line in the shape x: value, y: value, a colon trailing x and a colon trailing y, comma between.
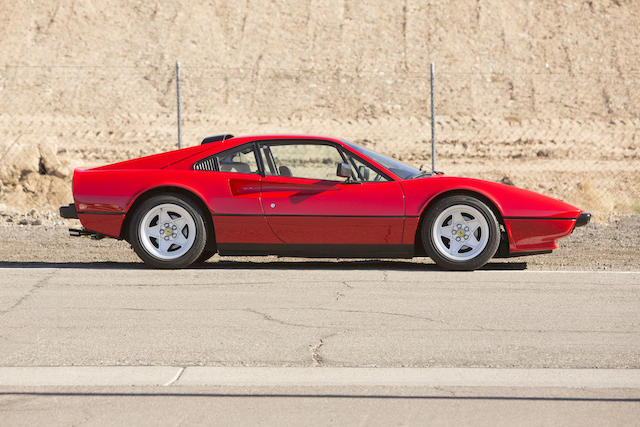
x: 344, y: 170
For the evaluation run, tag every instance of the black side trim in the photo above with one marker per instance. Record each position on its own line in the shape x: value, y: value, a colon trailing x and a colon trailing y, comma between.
x: 517, y: 254
x: 319, y: 216
x: 69, y: 211
x: 316, y: 251
x: 100, y: 213
x: 539, y: 217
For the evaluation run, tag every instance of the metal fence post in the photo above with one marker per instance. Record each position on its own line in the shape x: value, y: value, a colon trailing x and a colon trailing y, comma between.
x: 433, y: 122
x: 178, y: 100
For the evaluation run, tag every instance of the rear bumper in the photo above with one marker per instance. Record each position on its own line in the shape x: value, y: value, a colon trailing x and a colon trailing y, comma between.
x: 583, y: 219
x: 95, y: 223
x: 69, y: 211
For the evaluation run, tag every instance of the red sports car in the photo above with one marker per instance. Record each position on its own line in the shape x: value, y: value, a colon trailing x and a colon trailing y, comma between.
x: 308, y: 196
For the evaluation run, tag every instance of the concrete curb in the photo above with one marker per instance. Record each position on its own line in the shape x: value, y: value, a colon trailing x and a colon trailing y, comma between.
x: 95, y: 376
x: 87, y: 375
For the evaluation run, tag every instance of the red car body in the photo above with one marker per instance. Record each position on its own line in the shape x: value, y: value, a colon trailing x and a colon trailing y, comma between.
x: 262, y: 214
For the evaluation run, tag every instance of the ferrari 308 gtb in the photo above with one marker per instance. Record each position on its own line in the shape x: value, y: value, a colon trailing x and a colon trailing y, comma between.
x: 308, y: 196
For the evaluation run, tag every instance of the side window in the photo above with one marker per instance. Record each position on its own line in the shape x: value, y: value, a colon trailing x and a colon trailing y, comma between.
x: 313, y: 161
x: 240, y: 159
x: 364, y: 172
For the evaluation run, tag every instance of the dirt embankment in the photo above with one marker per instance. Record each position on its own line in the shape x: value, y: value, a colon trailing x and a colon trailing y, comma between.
x: 541, y: 95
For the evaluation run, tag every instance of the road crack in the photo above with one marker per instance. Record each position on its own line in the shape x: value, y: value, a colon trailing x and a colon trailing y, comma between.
x: 339, y: 294
x: 270, y: 318
x: 317, y: 358
x: 36, y: 286
x: 385, y: 313
x: 315, y: 353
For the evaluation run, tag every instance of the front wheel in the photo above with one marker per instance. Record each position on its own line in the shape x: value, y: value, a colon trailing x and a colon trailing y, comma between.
x: 168, y: 231
x: 460, y: 233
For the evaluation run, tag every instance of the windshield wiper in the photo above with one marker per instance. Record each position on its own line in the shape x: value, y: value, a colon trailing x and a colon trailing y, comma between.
x: 421, y: 174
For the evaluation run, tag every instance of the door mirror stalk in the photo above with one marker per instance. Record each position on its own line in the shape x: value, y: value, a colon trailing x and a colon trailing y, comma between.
x: 344, y: 170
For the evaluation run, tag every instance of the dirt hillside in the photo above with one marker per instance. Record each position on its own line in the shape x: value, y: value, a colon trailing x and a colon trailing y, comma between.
x: 541, y: 94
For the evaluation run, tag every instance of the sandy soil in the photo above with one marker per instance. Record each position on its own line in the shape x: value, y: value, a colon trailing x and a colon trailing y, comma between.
x: 593, y: 247
x: 543, y: 96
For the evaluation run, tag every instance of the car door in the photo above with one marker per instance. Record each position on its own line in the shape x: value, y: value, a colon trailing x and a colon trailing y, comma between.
x: 231, y: 185
x: 306, y: 203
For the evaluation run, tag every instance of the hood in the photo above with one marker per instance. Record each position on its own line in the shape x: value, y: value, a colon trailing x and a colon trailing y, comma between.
x: 510, y: 201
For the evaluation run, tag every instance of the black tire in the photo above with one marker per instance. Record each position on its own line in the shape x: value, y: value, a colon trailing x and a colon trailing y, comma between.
x: 210, y: 248
x: 205, y: 255
x: 442, y: 251
x: 199, y: 240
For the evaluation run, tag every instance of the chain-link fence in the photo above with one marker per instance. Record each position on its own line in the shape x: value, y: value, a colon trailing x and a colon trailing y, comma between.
x: 570, y: 135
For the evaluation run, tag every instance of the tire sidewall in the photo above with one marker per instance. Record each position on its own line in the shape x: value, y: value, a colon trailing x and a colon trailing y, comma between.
x: 479, y: 260
x: 187, y: 258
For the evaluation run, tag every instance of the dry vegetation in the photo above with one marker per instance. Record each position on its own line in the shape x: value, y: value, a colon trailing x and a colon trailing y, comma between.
x: 541, y: 94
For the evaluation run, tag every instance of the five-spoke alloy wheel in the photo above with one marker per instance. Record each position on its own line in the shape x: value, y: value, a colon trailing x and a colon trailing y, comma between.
x: 168, y: 231
x: 460, y: 233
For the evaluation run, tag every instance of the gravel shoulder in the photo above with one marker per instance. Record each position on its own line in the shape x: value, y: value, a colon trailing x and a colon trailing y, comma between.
x: 594, y: 247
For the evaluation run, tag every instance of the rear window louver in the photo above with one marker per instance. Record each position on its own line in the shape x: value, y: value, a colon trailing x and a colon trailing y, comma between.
x: 206, y: 164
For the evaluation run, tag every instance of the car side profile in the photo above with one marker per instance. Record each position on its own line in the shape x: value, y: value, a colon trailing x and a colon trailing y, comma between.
x: 309, y: 196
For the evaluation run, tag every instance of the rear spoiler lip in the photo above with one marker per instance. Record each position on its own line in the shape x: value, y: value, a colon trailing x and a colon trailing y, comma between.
x: 216, y: 138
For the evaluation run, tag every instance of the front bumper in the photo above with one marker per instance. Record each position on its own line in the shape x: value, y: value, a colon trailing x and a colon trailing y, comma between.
x: 583, y: 219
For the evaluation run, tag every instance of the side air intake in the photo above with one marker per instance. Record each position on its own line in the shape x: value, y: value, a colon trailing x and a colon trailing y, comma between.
x: 216, y: 138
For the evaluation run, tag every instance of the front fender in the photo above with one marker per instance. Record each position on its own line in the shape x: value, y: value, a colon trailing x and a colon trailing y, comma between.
x: 533, y: 222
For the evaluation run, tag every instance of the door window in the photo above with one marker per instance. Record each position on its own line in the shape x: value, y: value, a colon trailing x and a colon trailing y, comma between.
x: 303, y: 160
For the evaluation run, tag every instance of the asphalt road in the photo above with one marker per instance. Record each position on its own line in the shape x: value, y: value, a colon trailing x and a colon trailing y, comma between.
x: 323, y: 316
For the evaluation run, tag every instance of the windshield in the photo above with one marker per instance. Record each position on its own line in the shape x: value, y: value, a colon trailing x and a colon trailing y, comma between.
x: 398, y: 168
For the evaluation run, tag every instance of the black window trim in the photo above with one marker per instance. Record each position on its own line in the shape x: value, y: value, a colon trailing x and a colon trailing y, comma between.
x: 343, y: 152
x: 284, y: 141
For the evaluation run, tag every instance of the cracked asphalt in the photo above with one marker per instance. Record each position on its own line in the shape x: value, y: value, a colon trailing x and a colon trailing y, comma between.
x: 321, y: 315
x: 332, y: 314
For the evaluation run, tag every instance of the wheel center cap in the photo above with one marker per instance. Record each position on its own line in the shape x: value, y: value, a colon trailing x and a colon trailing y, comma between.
x: 461, y: 232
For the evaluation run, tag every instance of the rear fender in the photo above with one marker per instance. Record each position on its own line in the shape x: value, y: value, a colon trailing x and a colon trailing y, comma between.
x: 103, y: 198
x: 165, y: 189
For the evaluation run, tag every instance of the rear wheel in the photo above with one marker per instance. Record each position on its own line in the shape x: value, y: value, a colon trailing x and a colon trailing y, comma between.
x: 168, y: 231
x: 205, y: 255
x: 460, y: 233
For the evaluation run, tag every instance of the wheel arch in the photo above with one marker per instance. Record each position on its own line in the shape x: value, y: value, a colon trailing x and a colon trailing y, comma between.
x: 504, y: 240
x: 170, y: 189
